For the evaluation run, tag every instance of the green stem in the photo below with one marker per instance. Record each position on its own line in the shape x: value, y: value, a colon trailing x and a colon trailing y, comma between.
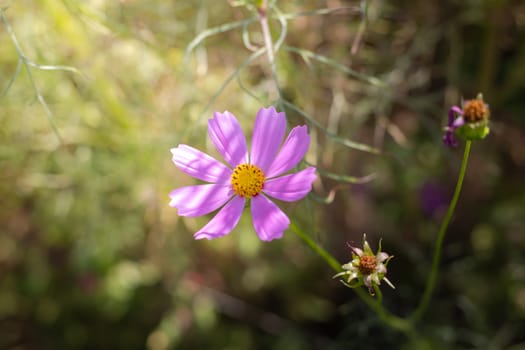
x: 391, y: 320
x: 327, y: 257
x: 379, y: 294
x: 431, y: 282
x: 263, y: 17
x: 28, y: 64
x: 266, y: 33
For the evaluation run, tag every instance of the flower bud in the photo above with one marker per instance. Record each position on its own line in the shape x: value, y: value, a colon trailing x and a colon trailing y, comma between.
x: 366, y: 268
x: 469, y: 122
x: 476, y: 115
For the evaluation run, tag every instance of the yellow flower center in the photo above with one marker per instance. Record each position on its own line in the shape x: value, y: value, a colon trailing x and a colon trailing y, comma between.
x: 367, y: 264
x: 247, y: 180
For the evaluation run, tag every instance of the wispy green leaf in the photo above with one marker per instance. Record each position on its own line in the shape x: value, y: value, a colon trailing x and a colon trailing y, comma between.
x: 345, y: 142
x: 307, y: 54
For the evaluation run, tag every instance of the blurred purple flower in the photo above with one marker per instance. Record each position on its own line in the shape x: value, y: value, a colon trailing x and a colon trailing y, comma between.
x: 432, y: 197
x: 252, y: 176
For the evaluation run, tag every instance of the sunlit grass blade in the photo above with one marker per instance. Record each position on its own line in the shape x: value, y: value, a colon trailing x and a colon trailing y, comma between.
x: 236, y: 72
x: 44, y: 105
x: 248, y: 91
x: 284, y: 29
x: 323, y: 11
x: 361, y: 29
x: 345, y: 142
x: 307, y: 54
x: 13, y: 78
x: 344, y: 178
x: 54, y: 67
x: 214, y: 31
x: 246, y: 38
x: 27, y: 66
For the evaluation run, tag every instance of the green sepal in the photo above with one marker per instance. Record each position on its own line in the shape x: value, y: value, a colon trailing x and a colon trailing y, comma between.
x: 473, y: 131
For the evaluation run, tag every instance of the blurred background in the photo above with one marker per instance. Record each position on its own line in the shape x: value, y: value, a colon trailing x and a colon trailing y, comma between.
x: 92, y: 256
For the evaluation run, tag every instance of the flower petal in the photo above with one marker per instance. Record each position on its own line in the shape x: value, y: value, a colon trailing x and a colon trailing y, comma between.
x: 269, y: 221
x: 389, y: 283
x: 225, y: 220
x: 382, y: 256
x: 453, y: 124
x: 366, y: 246
x: 449, y: 139
x: 227, y: 136
x: 268, y: 133
x: 368, y: 281
x: 291, y: 187
x: 460, y: 121
x: 381, y: 268
x: 452, y: 114
x: 199, y: 200
x: 375, y: 278
x: 200, y: 165
x: 293, y: 150
x: 357, y: 251
x: 352, y: 276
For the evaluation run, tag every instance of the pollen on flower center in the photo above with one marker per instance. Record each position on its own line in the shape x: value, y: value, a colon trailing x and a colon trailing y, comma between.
x: 247, y: 180
x: 474, y: 110
x: 367, y: 264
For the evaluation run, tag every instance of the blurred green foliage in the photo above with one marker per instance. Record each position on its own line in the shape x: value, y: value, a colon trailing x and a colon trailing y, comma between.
x: 92, y: 256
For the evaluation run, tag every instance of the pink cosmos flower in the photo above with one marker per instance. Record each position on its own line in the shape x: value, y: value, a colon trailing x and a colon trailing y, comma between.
x: 254, y: 176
